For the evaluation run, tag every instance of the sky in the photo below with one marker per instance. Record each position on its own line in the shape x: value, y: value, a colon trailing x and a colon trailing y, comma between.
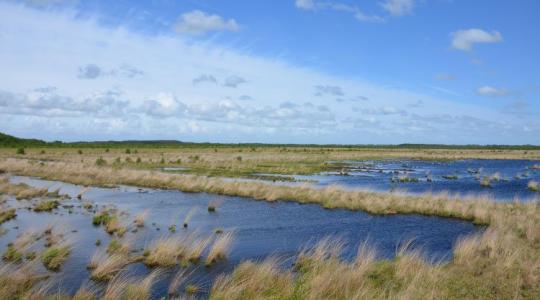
x: 283, y: 71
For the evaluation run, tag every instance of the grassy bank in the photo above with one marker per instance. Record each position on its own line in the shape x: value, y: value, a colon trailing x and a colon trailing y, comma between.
x: 501, y: 263
x: 243, y: 161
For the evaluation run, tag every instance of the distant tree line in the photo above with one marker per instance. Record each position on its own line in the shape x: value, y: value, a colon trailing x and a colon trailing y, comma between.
x: 13, y: 142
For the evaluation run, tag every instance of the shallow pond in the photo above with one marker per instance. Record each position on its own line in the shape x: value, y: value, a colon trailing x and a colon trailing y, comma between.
x: 261, y: 229
x: 508, y: 178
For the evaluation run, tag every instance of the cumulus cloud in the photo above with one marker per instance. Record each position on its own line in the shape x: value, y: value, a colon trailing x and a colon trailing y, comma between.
x: 205, y: 78
x: 93, y: 71
x: 305, y: 4
x: 466, y: 39
x: 234, y: 81
x: 199, y: 22
x: 332, y: 90
x: 386, y: 110
x: 398, y: 7
x: 90, y: 71
x: 245, y: 98
x: 163, y: 105
x: 188, y: 112
x: 49, y: 101
x: 490, y: 91
x: 353, y: 99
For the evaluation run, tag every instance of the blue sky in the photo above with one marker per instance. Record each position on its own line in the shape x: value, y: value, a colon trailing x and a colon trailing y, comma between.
x: 287, y: 71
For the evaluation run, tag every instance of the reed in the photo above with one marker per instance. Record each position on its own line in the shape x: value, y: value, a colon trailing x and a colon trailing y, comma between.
x: 104, y: 266
x: 220, y: 248
x: 140, y: 218
x: 164, y: 252
x: 188, y: 216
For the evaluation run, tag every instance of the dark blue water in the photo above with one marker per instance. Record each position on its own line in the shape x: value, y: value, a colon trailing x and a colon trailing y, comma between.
x: 261, y: 228
x: 514, y: 175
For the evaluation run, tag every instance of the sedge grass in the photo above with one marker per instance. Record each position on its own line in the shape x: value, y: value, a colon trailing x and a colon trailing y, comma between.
x: 220, y: 248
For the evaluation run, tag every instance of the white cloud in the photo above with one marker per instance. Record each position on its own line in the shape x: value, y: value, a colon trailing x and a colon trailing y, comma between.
x: 90, y: 71
x: 360, y: 16
x: 199, y: 22
x: 491, y: 91
x: 234, y: 81
x: 165, y: 104
x: 465, y: 39
x: 332, y: 90
x: 398, y: 7
x: 305, y: 4
x: 338, y: 6
x: 205, y: 78
x: 50, y: 2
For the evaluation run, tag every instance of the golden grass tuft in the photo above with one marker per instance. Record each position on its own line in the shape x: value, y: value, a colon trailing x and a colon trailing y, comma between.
x: 164, y: 252
x: 534, y: 186
x: 140, y: 218
x: 220, y: 248
x: 105, y: 267
x: 252, y: 280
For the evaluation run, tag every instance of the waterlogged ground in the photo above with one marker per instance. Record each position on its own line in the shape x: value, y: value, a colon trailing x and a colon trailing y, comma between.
x: 508, y: 179
x: 261, y: 228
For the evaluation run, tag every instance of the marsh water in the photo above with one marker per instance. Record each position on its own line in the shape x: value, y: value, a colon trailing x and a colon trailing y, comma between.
x: 261, y: 229
x: 508, y: 178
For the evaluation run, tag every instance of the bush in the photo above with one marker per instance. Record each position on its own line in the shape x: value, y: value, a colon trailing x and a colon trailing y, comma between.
x: 21, y: 151
x: 100, y: 162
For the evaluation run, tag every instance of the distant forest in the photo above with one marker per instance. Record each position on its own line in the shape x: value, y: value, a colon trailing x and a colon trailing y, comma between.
x: 15, y: 142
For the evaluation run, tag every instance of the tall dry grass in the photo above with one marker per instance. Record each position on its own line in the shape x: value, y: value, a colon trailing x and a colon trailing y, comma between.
x: 220, y: 248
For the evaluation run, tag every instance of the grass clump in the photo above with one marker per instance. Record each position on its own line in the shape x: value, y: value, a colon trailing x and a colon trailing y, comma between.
x: 55, y: 256
x: 213, y: 205
x: 8, y: 214
x: 12, y: 254
x: 192, y: 289
x: 404, y: 179
x: 485, y: 181
x: 450, y: 177
x: 15, y: 250
x: 20, y: 151
x: 104, y: 267
x: 534, y: 186
x: 46, y: 205
x: 101, y: 218
x: 101, y: 162
x: 164, y: 252
x: 220, y: 248
x: 117, y: 246
x: 250, y: 280
x: 111, y: 221
x: 141, y: 218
